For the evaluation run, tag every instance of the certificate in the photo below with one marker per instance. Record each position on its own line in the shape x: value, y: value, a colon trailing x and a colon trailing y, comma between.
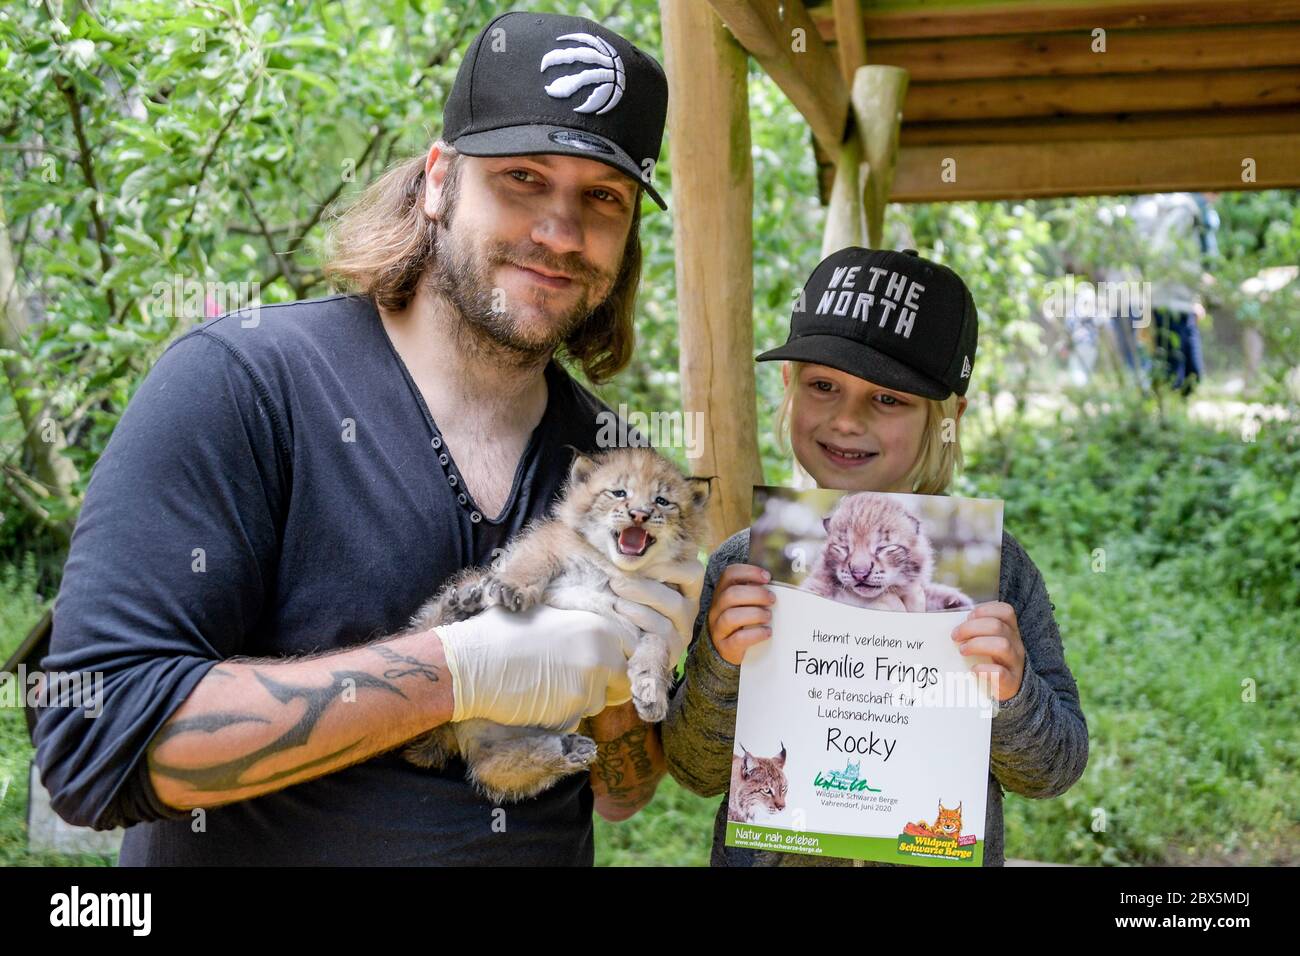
x: 861, y: 731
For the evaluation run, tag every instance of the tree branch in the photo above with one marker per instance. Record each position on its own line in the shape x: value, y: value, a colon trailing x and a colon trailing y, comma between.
x: 88, y: 171
x: 284, y: 267
x: 212, y: 151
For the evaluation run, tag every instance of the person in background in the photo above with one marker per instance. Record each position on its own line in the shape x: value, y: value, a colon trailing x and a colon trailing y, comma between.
x: 1179, y: 234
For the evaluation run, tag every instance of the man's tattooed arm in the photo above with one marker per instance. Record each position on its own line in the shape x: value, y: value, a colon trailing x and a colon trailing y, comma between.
x: 253, y: 726
x: 629, y: 761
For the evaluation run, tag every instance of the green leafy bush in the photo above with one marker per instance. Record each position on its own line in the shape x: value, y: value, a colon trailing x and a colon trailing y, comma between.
x: 1224, y: 509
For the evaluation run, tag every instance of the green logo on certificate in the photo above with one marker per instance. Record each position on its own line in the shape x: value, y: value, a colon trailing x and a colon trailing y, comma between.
x: 846, y: 779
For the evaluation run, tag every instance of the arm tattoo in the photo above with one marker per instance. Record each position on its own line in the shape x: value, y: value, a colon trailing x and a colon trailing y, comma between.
x: 409, y: 665
x: 228, y: 775
x: 622, y: 758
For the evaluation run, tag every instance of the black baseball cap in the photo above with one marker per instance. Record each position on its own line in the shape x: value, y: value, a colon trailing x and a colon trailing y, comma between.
x: 545, y: 83
x: 893, y: 318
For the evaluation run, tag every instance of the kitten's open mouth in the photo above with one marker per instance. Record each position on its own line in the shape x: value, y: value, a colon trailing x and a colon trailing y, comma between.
x: 633, y: 541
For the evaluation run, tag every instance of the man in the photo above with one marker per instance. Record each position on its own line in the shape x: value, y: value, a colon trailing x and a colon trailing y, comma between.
x: 295, y: 483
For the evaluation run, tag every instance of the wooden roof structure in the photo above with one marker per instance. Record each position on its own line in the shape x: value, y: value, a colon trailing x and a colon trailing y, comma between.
x: 1054, y: 98
x: 939, y: 100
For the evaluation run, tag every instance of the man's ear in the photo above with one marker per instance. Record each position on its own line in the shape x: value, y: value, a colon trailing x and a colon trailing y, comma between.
x: 435, y: 171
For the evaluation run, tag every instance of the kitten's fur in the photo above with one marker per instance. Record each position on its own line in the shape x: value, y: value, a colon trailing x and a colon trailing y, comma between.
x: 566, y: 561
x: 757, y: 783
x: 878, y: 556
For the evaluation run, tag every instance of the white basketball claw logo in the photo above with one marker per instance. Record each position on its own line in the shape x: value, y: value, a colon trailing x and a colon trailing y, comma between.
x: 610, y: 75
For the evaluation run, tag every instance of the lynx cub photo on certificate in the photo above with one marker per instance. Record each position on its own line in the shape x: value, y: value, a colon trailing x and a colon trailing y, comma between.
x: 861, y: 730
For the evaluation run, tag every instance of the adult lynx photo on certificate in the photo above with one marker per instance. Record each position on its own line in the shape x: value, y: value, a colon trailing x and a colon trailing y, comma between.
x: 861, y: 731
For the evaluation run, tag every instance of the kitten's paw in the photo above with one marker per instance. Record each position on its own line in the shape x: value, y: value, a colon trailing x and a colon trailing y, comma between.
x: 579, y: 751
x: 523, y: 767
x: 651, y: 699
x: 511, y: 597
x: 466, y: 601
x: 940, y: 597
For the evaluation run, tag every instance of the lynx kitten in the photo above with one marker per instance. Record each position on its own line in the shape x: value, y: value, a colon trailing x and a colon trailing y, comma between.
x: 877, y: 555
x: 621, y: 512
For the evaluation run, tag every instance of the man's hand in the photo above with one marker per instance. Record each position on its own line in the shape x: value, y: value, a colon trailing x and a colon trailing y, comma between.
x: 540, y: 668
x: 667, y: 608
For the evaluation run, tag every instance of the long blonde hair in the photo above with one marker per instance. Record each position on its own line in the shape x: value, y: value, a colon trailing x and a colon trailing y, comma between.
x: 937, y: 459
x: 382, y: 244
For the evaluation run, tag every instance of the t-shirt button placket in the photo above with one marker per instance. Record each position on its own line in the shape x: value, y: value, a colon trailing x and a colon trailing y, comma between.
x: 452, y: 480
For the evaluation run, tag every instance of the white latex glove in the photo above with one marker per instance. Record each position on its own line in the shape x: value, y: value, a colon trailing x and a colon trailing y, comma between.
x: 540, y: 668
x: 659, y: 608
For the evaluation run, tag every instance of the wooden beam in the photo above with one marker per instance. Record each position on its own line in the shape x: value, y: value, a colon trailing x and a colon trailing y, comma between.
x: 1071, y: 54
x: 1117, y: 126
x: 712, y: 206
x: 1149, y: 126
x: 782, y: 38
x: 887, y: 19
x: 1102, y: 167
x: 1077, y: 96
x: 850, y: 38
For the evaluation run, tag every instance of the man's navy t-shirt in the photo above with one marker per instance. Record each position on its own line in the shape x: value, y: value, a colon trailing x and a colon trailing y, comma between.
x: 276, y: 487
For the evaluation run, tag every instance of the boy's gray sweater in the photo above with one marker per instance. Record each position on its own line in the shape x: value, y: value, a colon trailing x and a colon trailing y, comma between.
x: 1039, y: 742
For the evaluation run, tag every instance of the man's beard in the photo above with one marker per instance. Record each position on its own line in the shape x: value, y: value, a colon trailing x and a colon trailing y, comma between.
x: 464, y: 277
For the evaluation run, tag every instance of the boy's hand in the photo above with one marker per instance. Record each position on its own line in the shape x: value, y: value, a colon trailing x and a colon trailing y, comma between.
x: 992, y: 631
x: 739, y: 615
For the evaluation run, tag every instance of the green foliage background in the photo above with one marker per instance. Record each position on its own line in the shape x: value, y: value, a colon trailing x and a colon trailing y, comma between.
x: 204, y: 139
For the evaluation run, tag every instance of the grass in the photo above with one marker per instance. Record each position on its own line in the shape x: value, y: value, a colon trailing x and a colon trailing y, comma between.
x: 1183, y: 767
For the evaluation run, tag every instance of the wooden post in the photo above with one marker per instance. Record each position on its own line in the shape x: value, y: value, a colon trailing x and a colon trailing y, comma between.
x: 712, y: 208
x: 845, y: 225
x: 877, y: 102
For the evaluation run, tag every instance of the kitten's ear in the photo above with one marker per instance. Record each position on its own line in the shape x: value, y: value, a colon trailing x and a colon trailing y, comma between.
x: 839, y: 505
x: 915, y: 520
x: 582, y: 467
x: 700, y: 490
x: 780, y: 758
